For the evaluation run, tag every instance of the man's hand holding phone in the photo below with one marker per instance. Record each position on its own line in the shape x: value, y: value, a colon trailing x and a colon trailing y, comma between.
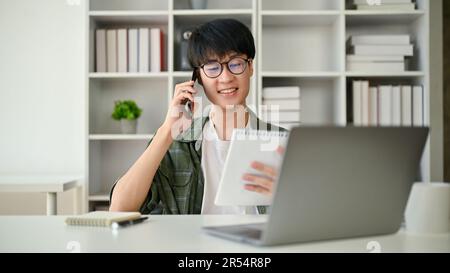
x: 177, y: 119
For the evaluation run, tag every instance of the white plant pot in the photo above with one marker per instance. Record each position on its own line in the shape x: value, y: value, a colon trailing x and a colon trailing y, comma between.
x: 128, y: 126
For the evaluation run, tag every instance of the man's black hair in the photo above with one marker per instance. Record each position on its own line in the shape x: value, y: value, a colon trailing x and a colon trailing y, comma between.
x: 218, y: 38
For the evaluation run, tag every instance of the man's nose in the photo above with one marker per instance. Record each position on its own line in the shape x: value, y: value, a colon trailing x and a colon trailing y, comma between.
x: 226, y: 75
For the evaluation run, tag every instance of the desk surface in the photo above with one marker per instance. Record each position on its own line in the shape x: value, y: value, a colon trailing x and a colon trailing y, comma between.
x: 180, y: 234
x: 37, y: 183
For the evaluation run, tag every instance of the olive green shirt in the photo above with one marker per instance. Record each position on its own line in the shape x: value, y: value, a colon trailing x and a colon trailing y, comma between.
x: 177, y: 186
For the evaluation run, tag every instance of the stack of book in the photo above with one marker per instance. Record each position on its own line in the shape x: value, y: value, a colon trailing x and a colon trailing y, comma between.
x: 281, y: 106
x: 379, y: 53
x: 388, y: 105
x: 129, y: 50
x: 384, y: 4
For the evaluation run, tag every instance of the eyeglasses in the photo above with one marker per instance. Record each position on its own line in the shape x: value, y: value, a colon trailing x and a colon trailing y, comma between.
x: 235, y: 65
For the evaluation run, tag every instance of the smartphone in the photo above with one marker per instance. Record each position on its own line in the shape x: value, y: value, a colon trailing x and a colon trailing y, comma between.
x: 188, y: 106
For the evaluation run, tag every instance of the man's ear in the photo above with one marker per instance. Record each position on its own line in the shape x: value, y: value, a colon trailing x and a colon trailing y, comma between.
x: 250, y: 66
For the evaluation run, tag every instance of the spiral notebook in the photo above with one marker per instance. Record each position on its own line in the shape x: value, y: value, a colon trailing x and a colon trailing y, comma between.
x: 101, y: 218
x: 247, y: 146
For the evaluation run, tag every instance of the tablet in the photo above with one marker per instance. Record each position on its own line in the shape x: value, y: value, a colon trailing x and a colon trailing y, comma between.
x: 248, y: 146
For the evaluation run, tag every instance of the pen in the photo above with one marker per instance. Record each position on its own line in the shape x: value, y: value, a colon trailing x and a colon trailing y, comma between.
x: 128, y: 222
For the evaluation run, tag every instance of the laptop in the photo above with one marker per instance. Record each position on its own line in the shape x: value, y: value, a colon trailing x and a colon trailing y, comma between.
x: 338, y: 182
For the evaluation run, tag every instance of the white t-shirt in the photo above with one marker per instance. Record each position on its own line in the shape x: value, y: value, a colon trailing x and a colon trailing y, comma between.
x: 214, y: 152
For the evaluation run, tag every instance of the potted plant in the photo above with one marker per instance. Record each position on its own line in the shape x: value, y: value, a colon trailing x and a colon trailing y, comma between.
x: 127, y: 112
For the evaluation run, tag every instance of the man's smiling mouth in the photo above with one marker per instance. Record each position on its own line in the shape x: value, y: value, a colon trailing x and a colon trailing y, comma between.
x: 227, y: 91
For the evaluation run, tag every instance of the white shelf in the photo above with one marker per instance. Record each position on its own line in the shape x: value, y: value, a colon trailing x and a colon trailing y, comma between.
x: 275, y: 74
x: 302, y: 5
x: 300, y: 13
x: 109, y: 160
x: 128, y: 13
x: 96, y: 75
x: 318, y: 97
x: 383, y: 13
x: 214, y: 5
x: 182, y: 74
x: 304, y: 43
x: 301, y: 19
x: 115, y: 18
x: 129, y: 5
x: 385, y: 74
x: 120, y: 137
x: 150, y: 94
x: 210, y: 12
x: 184, y: 20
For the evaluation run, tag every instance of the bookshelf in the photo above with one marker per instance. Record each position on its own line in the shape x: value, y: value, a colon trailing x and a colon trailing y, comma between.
x: 299, y: 42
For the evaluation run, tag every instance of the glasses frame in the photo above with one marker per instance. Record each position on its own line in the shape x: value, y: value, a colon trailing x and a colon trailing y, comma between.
x: 247, y: 61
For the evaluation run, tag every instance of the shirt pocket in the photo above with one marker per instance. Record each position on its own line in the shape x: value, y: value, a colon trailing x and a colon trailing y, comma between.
x: 181, y: 182
x: 182, y: 178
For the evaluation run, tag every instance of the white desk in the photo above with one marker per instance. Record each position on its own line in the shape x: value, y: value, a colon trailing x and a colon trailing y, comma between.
x: 50, y: 184
x: 179, y: 234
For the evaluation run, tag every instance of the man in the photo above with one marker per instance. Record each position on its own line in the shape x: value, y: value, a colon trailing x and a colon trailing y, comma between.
x: 180, y: 170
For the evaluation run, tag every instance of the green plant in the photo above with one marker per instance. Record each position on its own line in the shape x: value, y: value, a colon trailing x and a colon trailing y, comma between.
x: 126, y: 109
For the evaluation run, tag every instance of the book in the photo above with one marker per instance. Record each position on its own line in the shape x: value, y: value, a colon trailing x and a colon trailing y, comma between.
x: 100, y: 50
x: 122, y: 50
x: 418, y: 105
x: 376, y: 66
x: 379, y: 40
x: 282, y: 92
x: 247, y: 146
x: 133, y: 50
x: 111, y: 50
x: 157, y: 50
x: 101, y: 218
x: 396, y: 106
x: 373, y: 106
x: 374, y: 58
x: 357, y: 103
x: 144, y: 50
x: 406, y: 106
x: 384, y: 105
x: 365, y: 103
x: 388, y: 50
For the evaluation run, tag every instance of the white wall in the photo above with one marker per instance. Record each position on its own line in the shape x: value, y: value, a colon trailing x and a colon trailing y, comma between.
x: 42, y: 95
